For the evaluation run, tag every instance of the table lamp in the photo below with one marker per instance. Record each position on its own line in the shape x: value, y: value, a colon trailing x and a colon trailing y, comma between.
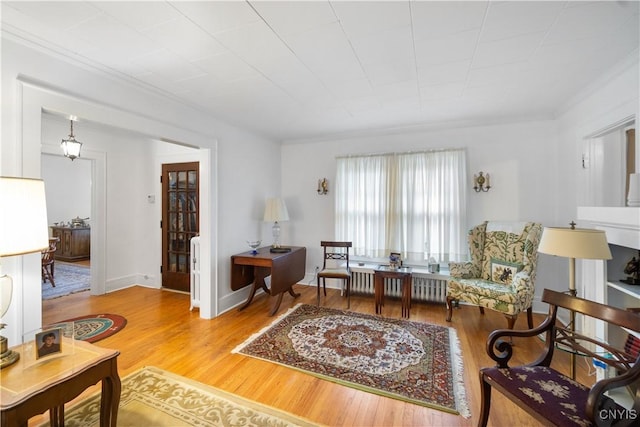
x: 574, y: 243
x: 275, y: 211
x: 23, y: 230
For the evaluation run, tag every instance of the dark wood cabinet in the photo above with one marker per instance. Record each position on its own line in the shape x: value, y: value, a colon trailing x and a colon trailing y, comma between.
x: 75, y: 243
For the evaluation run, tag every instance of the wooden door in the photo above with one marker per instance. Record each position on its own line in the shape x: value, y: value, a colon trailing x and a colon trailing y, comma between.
x: 180, y: 222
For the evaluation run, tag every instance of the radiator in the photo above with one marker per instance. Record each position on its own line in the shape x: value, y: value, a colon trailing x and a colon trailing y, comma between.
x: 194, y: 278
x: 425, y: 288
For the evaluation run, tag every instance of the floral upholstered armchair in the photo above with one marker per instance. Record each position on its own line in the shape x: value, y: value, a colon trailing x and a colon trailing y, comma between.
x: 502, y: 271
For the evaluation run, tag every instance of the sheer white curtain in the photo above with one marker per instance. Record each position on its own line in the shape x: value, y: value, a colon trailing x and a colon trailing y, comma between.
x: 413, y: 203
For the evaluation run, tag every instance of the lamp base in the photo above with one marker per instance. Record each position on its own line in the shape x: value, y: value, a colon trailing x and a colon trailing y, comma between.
x: 7, y: 357
x: 279, y: 250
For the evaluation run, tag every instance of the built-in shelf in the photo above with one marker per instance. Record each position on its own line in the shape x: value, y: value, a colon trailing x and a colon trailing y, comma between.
x: 633, y: 290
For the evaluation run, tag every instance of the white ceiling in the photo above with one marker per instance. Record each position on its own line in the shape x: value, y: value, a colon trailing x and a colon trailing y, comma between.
x: 294, y: 70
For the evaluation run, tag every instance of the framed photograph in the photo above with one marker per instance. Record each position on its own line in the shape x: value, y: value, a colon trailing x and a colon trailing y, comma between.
x: 395, y: 261
x: 48, y: 342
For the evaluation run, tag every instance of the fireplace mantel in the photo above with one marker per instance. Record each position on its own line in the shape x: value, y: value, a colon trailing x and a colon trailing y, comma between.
x: 601, y: 279
x: 621, y: 224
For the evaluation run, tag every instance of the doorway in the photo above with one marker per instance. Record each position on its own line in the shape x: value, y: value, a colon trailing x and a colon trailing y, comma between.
x: 68, y: 193
x: 180, y: 222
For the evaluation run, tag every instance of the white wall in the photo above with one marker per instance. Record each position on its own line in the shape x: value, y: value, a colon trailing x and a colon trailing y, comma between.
x: 244, y: 169
x: 534, y: 167
x: 615, y: 100
x: 519, y: 157
x: 67, y: 187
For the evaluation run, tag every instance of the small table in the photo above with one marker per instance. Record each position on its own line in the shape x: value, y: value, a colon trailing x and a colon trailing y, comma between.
x: 383, y: 272
x: 27, y: 390
x: 286, y: 269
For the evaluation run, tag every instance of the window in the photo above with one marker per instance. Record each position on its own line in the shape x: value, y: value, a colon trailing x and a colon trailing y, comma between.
x: 413, y: 203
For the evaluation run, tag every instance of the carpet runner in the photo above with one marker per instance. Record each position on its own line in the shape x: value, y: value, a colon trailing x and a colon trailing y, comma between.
x: 158, y: 398
x: 412, y: 361
x: 92, y: 328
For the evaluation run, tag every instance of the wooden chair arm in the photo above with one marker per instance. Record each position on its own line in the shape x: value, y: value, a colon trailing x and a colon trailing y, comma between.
x: 501, y: 351
x: 596, y: 394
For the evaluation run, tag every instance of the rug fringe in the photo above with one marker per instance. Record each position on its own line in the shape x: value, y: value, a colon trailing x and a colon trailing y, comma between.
x: 457, y: 365
x: 246, y: 342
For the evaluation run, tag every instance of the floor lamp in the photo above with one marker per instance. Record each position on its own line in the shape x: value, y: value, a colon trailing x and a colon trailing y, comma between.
x: 574, y: 243
x: 23, y: 230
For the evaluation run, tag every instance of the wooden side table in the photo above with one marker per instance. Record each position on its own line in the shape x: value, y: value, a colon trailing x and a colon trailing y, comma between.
x: 30, y: 389
x: 285, y: 269
x: 385, y: 272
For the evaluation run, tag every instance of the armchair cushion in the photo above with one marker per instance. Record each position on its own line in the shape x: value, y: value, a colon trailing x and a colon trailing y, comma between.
x: 546, y: 391
x: 504, y: 271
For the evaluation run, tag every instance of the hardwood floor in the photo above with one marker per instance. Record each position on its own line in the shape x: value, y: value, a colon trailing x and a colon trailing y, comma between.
x: 162, y: 332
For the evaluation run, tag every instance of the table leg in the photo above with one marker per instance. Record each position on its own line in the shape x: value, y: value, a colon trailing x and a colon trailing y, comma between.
x: 378, y: 284
x: 276, y: 305
x: 110, y: 398
x: 56, y: 416
x: 258, y: 282
x: 406, y: 297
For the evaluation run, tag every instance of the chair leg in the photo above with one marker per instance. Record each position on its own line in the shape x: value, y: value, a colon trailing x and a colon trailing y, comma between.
x: 348, y: 294
x: 530, y: 317
x: 449, y: 308
x: 318, y: 293
x: 47, y: 275
x: 511, y: 320
x: 485, y: 393
x: 324, y: 286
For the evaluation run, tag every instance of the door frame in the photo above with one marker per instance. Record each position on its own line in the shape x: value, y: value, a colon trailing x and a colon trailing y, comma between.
x: 25, y: 313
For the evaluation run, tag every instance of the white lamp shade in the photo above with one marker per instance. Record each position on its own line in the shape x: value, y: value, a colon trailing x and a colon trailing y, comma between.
x: 275, y: 211
x: 23, y: 217
x: 578, y: 243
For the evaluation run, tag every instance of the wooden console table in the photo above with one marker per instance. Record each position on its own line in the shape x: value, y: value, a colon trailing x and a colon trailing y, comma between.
x: 385, y: 272
x: 27, y: 390
x: 286, y: 269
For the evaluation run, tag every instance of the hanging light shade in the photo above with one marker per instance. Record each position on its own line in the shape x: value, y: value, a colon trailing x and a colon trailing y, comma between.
x: 70, y: 146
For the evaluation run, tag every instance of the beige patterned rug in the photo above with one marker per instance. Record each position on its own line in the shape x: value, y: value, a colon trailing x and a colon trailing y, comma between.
x: 153, y: 397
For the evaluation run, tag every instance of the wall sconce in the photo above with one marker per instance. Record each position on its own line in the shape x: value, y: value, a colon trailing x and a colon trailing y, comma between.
x: 71, y: 147
x: 481, y: 182
x: 323, y: 186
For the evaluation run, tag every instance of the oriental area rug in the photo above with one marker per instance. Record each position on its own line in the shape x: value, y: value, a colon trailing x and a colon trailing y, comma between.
x: 411, y: 361
x: 154, y: 397
x: 92, y: 328
x: 70, y: 278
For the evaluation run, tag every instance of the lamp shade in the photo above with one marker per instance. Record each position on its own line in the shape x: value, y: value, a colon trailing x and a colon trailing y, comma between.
x: 23, y: 217
x: 578, y: 243
x: 275, y: 211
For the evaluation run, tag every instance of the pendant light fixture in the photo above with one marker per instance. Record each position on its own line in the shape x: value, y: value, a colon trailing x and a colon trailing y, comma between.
x: 70, y: 146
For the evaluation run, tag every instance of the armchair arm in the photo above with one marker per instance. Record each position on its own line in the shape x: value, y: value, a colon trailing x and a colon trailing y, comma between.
x: 463, y: 270
x: 501, y: 351
x: 521, y: 282
x: 597, y: 398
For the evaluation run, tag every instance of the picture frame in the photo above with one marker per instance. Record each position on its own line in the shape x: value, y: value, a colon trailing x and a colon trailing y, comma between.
x: 48, y: 342
x: 395, y: 260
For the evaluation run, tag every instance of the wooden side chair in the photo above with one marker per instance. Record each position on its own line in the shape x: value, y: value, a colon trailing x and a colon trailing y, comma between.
x: 48, y: 261
x: 554, y: 398
x: 337, y: 267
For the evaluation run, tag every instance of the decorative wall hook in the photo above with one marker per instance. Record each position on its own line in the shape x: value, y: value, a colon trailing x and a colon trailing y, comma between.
x: 481, y: 182
x: 323, y: 186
